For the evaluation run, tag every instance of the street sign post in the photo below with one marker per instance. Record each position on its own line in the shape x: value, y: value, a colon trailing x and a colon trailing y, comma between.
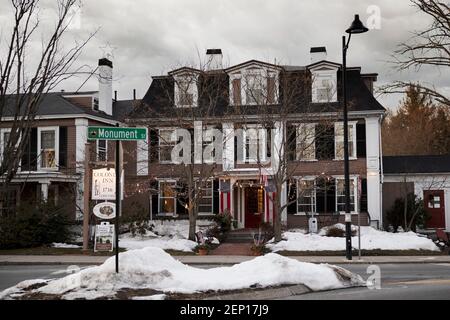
x: 118, y: 134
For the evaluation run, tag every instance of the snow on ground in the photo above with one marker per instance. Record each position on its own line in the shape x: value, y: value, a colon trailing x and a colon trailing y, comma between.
x: 165, y: 243
x: 371, y: 239
x: 65, y: 245
x: 152, y: 268
x: 166, y: 234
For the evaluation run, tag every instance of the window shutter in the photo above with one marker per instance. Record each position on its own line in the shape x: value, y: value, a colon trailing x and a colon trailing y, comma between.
x: 154, y: 141
x: 270, y: 90
x: 181, y: 200
x: 361, y: 140
x: 331, y: 196
x: 236, y: 92
x: 63, y: 147
x: 363, y: 200
x: 216, y: 196
x: 29, y: 157
x: 154, y: 196
x: 291, y: 196
x: 324, y: 142
x: 291, y: 140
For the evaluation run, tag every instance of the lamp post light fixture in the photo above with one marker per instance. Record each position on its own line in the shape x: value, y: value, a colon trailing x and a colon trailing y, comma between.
x: 356, y: 27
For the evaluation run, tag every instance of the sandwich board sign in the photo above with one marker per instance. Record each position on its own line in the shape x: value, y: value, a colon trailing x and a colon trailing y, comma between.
x: 104, y: 184
x: 104, y: 237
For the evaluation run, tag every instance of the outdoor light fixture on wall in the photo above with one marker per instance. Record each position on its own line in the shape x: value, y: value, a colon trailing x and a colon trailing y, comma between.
x: 356, y: 27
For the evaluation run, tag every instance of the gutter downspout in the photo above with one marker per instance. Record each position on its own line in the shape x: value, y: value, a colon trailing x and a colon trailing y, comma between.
x: 381, y: 171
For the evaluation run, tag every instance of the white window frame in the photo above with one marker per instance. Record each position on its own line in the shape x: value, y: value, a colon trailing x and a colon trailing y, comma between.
x: 2, y: 132
x: 212, y: 199
x: 299, y: 136
x: 319, y: 76
x: 191, y: 80
x: 261, y: 143
x: 351, y: 135
x: 98, y: 150
x: 165, y: 144
x: 170, y: 181
x: 313, y: 195
x: 39, y: 149
x: 353, y: 178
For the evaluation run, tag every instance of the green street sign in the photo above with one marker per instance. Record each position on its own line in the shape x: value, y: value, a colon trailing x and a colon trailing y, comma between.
x: 117, y: 133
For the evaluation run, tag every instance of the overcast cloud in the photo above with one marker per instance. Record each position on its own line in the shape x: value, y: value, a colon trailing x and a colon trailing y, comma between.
x: 151, y: 37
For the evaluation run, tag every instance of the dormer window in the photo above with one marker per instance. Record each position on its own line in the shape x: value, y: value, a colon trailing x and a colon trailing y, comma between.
x: 324, y: 82
x: 254, y: 84
x: 186, y: 91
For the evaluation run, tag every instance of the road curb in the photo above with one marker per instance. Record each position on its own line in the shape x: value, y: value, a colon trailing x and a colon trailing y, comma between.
x: 265, y: 294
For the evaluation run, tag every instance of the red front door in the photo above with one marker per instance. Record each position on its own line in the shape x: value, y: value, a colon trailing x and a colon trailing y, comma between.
x: 434, y: 204
x: 254, y: 207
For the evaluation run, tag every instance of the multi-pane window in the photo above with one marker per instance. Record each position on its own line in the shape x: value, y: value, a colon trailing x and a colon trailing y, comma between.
x: 166, y: 145
x: 339, y: 140
x: 306, y: 196
x: 324, y: 87
x: 255, y: 144
x: 48, y: 149
x: 102, y: 150
x: 306, y: 148
x: 167, y: 197
x: 205, y: 204
x: 340, y: 195
x: 254, y: 93
x: 186, y: 91
x: 95, y: 104
x: 4, y: 139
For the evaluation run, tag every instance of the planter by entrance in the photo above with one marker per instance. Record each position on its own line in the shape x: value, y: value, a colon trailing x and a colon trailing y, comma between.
x: 202, y: 252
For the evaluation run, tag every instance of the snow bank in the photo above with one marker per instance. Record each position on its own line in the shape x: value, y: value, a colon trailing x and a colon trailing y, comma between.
x: 152, y: 268
x: 167, y: 235
x: 371, y: 239
x: 165, y: 243
x: 65, y: 245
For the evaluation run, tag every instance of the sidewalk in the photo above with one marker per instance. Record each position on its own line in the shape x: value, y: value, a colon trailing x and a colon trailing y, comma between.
x: 218, y: 259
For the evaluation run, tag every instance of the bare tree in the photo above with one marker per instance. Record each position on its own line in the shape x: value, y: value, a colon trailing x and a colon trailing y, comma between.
x: 186, y: 101
x: 26, y: 78
x: 429, y: 47
x: 287, y: 113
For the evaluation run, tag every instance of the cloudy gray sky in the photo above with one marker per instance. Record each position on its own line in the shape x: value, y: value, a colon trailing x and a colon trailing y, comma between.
x: 150, y: 37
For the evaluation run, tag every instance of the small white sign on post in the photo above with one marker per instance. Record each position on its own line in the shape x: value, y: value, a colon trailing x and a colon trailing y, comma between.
x: 104, y: 237
x: 104, y: 184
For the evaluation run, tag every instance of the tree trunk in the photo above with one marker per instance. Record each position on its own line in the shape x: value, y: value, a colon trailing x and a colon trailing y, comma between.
x: 277, y: 220
x: 192, y: 224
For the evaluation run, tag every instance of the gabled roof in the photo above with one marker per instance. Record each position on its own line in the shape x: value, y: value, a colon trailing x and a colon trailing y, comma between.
x: 184, y: 69
x: 252, y: 62
x: 416, y: 164
x: 317, y: 64
x: 55, y: 103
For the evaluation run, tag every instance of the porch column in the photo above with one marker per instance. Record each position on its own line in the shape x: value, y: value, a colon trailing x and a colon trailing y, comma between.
x: 373, y: 169
x: 283, y: 200
x: 44, y: 191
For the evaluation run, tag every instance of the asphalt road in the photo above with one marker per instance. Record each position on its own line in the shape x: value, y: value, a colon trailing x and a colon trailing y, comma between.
x: 398, y: 281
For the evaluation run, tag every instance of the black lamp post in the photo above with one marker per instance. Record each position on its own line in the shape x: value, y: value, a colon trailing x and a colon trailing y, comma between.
x: 356, y: 27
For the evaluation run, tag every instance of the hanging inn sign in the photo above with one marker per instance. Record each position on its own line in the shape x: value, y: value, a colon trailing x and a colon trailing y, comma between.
x: 104, y: 184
